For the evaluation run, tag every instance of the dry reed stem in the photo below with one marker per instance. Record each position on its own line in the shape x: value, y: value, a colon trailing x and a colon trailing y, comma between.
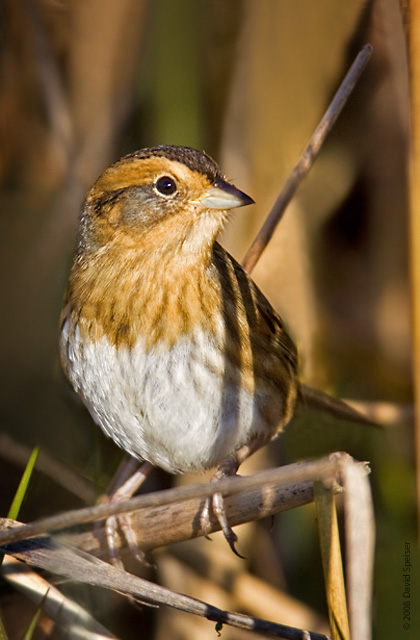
x: 414, y: 42
x: 324, y: 469
x: 77, y: 565
x: 360, y: 542
x: 331, y: 562
x: 166, y: 524
x: 82, y: 567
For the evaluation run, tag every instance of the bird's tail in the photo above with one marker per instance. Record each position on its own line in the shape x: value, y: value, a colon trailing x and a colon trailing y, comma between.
x: 320, y: 401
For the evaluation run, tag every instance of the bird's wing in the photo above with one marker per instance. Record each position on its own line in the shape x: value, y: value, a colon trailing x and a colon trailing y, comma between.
x: 265, y: 325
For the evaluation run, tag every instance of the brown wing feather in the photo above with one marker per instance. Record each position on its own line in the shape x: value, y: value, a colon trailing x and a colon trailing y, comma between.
x: 258, y: 342
x: 261, y: 316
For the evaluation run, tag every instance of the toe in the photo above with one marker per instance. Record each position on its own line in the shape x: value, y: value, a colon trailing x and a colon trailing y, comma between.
x: 220, y: 513
x: 205, y: 518
x: 127, y: 529
x: 111, y: 534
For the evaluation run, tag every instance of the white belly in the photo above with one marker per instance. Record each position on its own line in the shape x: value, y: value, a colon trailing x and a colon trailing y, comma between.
x: 171, y: 407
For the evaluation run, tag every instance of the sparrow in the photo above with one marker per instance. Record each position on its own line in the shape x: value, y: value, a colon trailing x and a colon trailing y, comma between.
x: 174, y: 350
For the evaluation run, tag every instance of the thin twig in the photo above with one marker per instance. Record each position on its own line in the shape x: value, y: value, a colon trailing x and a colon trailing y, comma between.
x: 324, y: 469
x: 307, y: 159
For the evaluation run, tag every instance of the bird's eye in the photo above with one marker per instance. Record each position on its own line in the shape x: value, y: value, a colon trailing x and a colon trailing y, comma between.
x: 166, y: 186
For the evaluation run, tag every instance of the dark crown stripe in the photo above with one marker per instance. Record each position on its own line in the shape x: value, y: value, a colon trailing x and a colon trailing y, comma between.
x: 193, y: 159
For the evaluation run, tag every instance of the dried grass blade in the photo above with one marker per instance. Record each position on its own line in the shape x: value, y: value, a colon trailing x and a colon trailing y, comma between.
x: 75, y: 565
x: 332, y: 562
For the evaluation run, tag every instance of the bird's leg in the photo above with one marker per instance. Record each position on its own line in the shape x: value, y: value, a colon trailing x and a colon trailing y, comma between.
x: 125, y: 470
x: 215, y: 503
x: 125, y: 491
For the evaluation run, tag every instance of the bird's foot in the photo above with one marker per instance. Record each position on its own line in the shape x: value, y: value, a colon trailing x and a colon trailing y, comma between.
x: 123, y: 521
x: 215, y: 504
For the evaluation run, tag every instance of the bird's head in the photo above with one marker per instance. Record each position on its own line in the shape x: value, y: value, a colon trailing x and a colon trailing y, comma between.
x: 160, y: 198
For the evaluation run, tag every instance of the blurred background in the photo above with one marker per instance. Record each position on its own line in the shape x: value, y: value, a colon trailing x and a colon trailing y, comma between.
x: 84, y: 82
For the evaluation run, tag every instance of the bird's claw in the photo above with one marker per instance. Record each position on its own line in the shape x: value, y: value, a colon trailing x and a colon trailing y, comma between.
x: 205, y: 518
x: 228, y: 532
x: 123, y: 522
x: 215, y: 503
